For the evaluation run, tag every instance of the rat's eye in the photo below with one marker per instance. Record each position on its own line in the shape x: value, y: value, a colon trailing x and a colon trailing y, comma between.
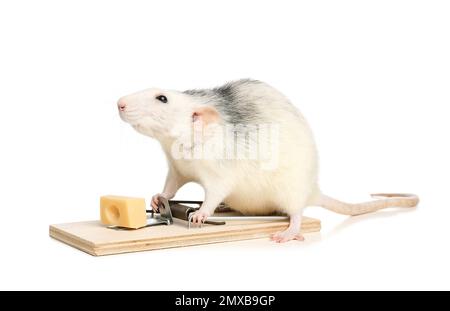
x: 162, y: 98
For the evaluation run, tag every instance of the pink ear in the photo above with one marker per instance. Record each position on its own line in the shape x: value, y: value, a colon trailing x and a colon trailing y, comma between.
x: 206, y: 114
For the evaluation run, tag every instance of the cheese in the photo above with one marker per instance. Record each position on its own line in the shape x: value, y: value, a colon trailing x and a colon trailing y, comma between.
x: 123, y: 211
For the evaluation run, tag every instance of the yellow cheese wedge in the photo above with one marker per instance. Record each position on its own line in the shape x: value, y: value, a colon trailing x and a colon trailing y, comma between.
x: 123, y: 211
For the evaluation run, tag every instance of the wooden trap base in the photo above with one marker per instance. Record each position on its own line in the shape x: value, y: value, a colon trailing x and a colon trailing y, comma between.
x: 94, y: 238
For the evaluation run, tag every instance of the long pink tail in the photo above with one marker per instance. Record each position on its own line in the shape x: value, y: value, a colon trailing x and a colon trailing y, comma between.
x: 353, y: 209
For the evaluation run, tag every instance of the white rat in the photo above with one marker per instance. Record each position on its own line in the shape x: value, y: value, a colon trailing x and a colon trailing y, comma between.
x: 242, y: 183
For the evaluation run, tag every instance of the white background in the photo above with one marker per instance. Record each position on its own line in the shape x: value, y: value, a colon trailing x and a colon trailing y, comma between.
x: 372, y: 78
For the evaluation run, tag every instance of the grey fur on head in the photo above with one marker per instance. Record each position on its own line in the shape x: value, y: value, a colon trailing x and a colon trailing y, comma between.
x: 231, y: 100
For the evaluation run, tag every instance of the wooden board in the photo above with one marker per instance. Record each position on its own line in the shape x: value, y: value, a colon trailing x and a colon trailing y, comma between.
x: 94, y: 238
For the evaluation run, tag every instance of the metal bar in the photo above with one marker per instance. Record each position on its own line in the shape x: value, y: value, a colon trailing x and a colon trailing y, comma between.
x: 240, y: 218
x: 185, y: 202
x: 246, y: 218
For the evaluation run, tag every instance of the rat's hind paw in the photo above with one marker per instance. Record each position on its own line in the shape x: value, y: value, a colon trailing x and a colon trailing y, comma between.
x: 287, y: 235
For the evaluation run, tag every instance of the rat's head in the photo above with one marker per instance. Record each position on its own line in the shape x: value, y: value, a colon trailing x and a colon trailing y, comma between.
x: 162, y: 113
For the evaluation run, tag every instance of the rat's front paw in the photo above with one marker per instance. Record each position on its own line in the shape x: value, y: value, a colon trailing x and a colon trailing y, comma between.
x: 199, y: 217
x: 155, y: 201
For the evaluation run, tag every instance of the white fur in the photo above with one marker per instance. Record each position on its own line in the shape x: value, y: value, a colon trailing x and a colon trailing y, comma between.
x: 240, y: 183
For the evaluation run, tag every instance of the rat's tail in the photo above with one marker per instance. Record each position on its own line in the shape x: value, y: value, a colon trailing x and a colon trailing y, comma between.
x: 353, y: 209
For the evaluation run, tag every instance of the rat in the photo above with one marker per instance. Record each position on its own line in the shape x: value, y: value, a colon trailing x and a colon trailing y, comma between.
x: 245, y: 106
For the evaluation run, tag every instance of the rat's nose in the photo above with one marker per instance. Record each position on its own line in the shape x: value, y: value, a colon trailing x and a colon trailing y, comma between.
x: 121, y: 105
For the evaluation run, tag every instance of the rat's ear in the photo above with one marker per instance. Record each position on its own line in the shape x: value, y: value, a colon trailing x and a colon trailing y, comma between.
x: 206, y: 114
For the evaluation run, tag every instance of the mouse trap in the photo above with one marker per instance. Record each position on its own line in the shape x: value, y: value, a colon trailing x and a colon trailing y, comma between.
x: 127, y: 226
